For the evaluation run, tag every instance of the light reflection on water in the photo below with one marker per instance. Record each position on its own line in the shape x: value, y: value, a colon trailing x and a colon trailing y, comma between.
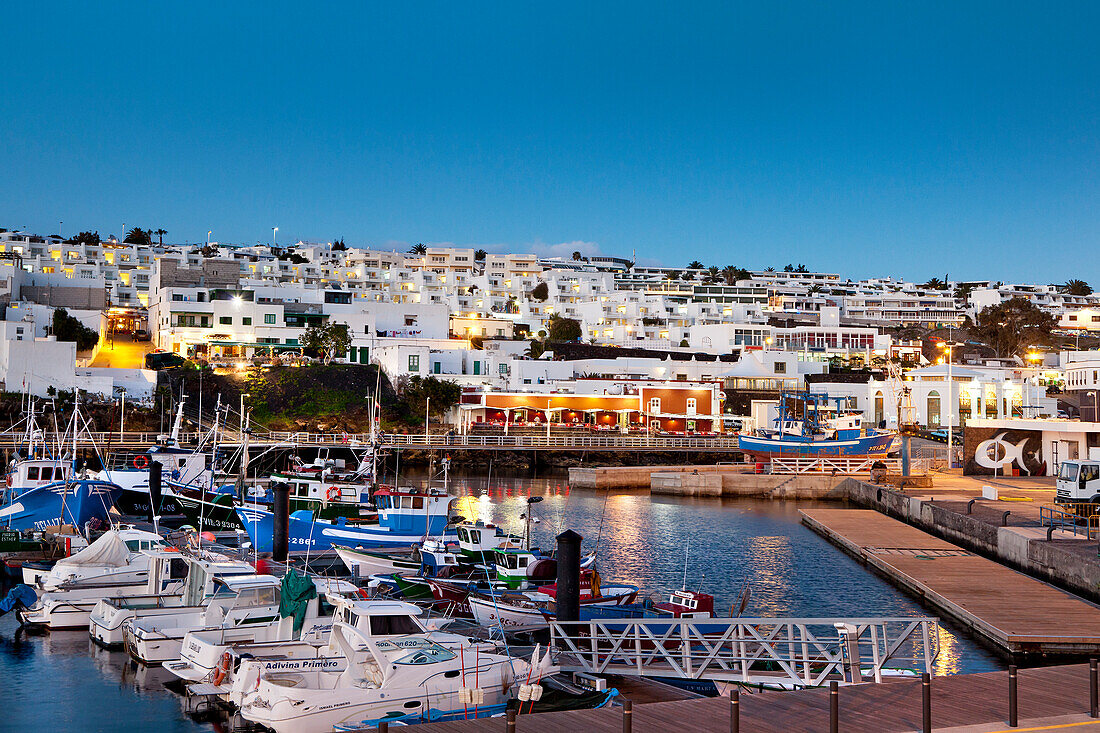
x: 643, y: 540
x: 64, y: 679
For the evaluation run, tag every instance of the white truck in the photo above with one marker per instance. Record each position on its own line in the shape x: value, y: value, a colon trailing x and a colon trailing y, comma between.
x: 1079, y: 479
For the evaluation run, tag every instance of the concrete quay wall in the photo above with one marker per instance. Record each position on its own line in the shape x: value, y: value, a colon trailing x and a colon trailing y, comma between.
x: 764, y: 486
x: 1059, y: 562
x: 638, y: 477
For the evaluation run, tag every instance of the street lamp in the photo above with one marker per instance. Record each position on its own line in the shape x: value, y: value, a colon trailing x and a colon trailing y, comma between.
x: 1092, y: 393
x: 427, y: 412
x: 948, y: 348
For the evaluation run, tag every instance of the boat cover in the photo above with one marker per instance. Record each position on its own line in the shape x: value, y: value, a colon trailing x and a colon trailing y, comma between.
x: 109, y: 550
x: 21, y: 596
x: 297, y: 591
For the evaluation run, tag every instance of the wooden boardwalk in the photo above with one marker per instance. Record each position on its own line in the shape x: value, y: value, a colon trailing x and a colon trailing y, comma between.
x: 1014, y: 611
x: 976, y: 702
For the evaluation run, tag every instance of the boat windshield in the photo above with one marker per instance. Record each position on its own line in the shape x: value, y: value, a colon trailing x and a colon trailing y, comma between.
x: 414, y: 650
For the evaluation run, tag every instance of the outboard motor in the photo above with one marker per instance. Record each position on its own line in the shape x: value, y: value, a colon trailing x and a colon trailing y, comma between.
x: 20, y: 597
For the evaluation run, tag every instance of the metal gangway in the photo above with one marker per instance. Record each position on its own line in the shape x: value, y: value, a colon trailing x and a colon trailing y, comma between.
x: 833, y: 465
x: 783, y: 653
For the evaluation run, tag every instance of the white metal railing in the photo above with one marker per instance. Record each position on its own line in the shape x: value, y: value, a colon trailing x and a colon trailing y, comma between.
x: 839, y: 465
x: 786, y: 652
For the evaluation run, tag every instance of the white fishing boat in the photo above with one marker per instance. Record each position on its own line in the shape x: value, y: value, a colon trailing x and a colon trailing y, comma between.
x: 365, y: 563
x: 211, y: 658
x: 237, y: 601
x: 406, y: 679
x: 198, y: 574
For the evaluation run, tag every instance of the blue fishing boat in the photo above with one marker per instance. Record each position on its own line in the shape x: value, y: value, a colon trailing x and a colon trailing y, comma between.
x: 808, y: 426
x: 405, y: 517
x: 41, y: 493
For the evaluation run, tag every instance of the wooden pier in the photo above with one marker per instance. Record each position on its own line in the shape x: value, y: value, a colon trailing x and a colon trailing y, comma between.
x: 1015, y: 612
x: 1049, y: 698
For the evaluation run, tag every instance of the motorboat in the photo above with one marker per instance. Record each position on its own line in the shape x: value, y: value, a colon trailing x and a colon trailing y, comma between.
x: 209, y: 651
x: 405, y: 679
x: 118, y: 554
x: 109, y: 615
x: 69, y: 604
x: 236, y: 601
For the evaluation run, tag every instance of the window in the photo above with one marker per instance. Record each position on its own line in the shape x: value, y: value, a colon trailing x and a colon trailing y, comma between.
x: 269, y: 318
x: 477, y: 367
x: 246, y: 321
x: 780, y: 367
x: 654, y: 404
x: 32, y: 473
x: 414, y: 362
x: 226, y: 320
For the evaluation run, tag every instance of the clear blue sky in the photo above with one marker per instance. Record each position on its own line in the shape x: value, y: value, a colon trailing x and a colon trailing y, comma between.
x: 868, y: 138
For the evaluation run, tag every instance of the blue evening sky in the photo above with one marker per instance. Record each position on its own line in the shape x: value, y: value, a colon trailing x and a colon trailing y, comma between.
x: 911, y: 139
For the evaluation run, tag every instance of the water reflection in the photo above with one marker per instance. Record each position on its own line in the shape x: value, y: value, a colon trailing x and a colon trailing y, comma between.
x: 723, y: 545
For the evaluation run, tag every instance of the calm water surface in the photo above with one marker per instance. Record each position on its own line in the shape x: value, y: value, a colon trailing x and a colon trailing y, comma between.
x: 64, y: 680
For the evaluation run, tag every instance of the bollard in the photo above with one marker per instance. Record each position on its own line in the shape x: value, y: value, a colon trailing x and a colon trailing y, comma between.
x: 1013, y: 717
x: 510, y: 725
x: 1004, y: 519
x: 281, y: 523
x: 627, y: 715
x: 735, y: 710
x: 926, y: 702
x: 834, y: 707
x: 568, y: 599
x: 383, y: 726
x: 1093, y: 712
x: 970, y: 505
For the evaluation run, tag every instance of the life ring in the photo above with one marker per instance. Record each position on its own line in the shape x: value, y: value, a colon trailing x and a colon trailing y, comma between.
x: 332, y: 494
x: 223, y: 668
x: 141, y: 462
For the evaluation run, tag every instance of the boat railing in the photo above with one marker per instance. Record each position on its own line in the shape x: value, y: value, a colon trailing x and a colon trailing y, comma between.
x: 786, y: 652
x: 840, y: 465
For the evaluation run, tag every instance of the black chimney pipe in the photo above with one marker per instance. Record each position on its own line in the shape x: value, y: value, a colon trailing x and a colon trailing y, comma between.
x: 280, y: 543
x: 155, y: 493
x: 568, y: 598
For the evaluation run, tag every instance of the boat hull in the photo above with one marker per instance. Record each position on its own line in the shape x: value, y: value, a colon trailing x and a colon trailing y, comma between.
x: 868, y: 445
x: 315, y: 536
x: 74, y: 502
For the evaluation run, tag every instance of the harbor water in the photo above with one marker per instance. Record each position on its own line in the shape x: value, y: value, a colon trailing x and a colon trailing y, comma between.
x: 658, y: 543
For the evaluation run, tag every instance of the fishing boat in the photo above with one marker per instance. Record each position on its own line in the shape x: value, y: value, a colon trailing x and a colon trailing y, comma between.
x: 807, y: 426
x: 406, y: 679
x: 405, y: 517
x: 47, y: 489
x: 524, y: 611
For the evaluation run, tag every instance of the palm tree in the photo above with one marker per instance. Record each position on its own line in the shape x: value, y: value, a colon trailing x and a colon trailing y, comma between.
x: 137, y: 235
x: 576, y: 256
x: 713, y: 273
x: 935, y: 284
x: 769, y: 269
x: 479, y: 255
x: 695, y: 265
x: 160, y: 234
x: 1077, y: 287
x: 418, y: 249
x: 730, y: 273
x: 534, y: 350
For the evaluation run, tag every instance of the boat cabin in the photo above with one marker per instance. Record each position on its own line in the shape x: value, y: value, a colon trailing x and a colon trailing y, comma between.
x: 413, y: 511
x: 37, y: 472
x: 207, y: 577
x: 688, y: 604
x: 478, y: 540
x: 520, y: 568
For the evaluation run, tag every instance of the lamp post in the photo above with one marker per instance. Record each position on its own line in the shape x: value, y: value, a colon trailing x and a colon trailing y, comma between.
x: 122, y: 417
x: 1092, y: 393
x: 427, y: 412
x: 948, y: 348
x: 273, y: 232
